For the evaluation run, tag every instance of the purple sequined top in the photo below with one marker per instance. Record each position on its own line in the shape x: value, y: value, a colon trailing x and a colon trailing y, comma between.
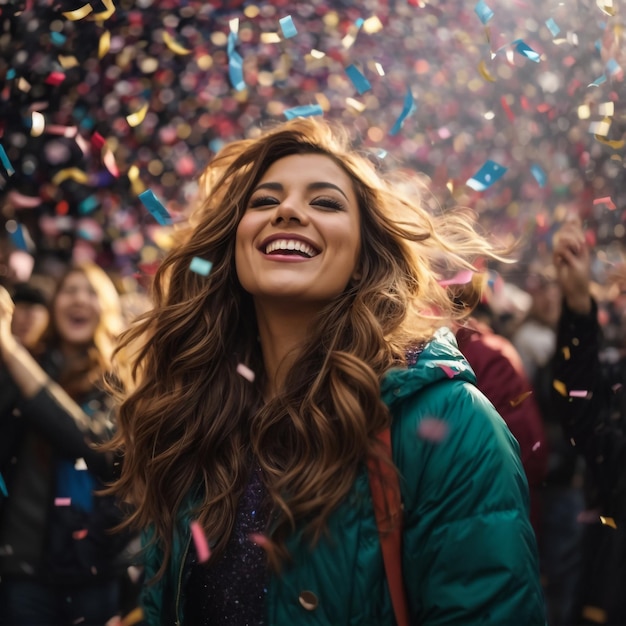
x: 231, y: 591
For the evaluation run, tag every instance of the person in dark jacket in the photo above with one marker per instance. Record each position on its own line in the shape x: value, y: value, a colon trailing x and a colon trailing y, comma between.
x: 588, y: 395
x: 298, y: 320
x: 58, y: 559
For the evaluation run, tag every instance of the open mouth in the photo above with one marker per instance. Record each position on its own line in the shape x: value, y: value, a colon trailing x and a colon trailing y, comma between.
x: 290, y: 247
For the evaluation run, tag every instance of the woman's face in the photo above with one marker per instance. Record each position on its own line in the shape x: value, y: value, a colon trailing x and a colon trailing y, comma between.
x: 76, y: 310
x: 299, y: 239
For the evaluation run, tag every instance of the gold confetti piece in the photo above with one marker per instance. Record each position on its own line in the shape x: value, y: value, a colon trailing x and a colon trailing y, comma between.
x: 560, y: 387
x: 323, y: 101
x: 482, y: 68
x: 594, y: 614
x: 355, y: 104
x: 23, y: 84
x: 71, y: 172
x: 104, y: 15
x: 608, y: 521
x: 517, y: 401
x: 272, y: 38
x: 78, y: 14
x: 566, y: 353
x: 134, y: 617
x: 68, y: 62
x: 104, y: 44
x: 584, y: 112
x: 134, y: 119
x: 135, y: 182
x: 38, y: 124
x: 372, y: 25
x: 606, y: 6
x: 173, y: 45
x: 613, y: 143
x: 606, y: 108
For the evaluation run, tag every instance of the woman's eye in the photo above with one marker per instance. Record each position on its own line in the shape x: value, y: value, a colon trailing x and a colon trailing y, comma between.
x: 260, y: 201
x: 328, y: 203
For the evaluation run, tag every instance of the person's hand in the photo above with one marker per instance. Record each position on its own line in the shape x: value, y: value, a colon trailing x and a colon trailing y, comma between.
x: 6, y: 315
x: 571, y: 259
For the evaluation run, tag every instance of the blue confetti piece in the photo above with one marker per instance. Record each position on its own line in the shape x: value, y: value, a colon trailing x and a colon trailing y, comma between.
x: 288, y: 27
x: 380, y: 153
x: 5, y: 161
x: 156, y: 208
x: 526, y: 51
x: 3, y: 487
x: 360, y: 21
x: 486, y: 176
x: 358, y: 80
x: 18, y: 239
x: 612, y: 67
x: 407, y: 109
x: 598, y: 45
x: 306, y: 110
x: 483, y: 11
x: 539, y: 174
x: 200, y: 266
x: 58, y: 39
x: 553, y: 27
x: 88, y: 205
x: 216, y: 144
x: 598, y: 81
x: 235, y: 64
x: 11, y: 73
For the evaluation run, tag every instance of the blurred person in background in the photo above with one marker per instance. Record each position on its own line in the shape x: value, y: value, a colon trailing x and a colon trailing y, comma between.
x: 31, y: 315
x: 560, y: 536
x: 58, y: 560
x: 589, y: 397
x: 501, y: 377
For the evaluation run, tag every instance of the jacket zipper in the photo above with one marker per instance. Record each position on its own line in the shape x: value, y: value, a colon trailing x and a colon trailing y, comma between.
x: 180, y: 581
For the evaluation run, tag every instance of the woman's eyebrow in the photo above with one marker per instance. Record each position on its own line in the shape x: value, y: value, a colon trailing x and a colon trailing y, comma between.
x: 310, y: 187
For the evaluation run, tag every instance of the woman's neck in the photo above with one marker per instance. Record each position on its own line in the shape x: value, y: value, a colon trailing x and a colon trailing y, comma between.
x: 282, y: 332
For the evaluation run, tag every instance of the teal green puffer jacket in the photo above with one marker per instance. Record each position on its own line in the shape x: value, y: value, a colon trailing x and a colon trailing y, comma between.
x: 469, y: 553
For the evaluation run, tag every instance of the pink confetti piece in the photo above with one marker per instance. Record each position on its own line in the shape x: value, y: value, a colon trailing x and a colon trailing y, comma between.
x: 606, y: 200
x: 62, y: 501
x: 246, y: 372
x: 199, y: 539
x: 80, y: 534
x: 616, y: 387
x: 55, y: 78
x: 450, y: 373
x: 536, y: 446
x: 432, y: 429
x: 260, y: 540
x: 579, y: 393
x: 460, y: 278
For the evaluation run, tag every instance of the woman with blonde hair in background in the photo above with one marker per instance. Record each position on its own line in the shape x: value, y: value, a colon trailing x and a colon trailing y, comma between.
x: 261, y: 390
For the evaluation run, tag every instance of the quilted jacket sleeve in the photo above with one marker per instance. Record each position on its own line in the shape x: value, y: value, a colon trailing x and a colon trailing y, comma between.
x: 469, y: 554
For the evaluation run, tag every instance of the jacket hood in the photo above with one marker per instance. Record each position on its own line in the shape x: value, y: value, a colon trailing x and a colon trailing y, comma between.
x: 440, y: 360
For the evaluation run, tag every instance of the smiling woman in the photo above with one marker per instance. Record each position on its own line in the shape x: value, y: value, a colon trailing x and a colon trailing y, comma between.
x: 324, y: 292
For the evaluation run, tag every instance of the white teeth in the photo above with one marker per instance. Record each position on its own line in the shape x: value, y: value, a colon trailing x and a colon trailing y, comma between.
x: 290, y: 244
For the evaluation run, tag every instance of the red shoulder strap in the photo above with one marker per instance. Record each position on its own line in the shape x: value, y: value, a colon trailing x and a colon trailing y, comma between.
x: 387, y: 500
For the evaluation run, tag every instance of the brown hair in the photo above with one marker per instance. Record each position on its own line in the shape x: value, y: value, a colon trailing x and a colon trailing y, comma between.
x: 189, y: 420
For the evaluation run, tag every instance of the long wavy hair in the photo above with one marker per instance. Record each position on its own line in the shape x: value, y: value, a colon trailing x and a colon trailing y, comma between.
x: 188, y: 422
x: 82, y: 374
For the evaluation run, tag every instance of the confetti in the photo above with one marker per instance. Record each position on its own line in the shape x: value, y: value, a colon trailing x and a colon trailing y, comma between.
x: 566, y: 351
x: 78, y: 14
x: 173, y: 45
x: 526, y: 51
x: 235, y: 61
x: 483, y: 11
x: 407, y: 108
x: 306, y: 110
x: 89, y: 204
x: 615, y: 144
x: 359, y: 81
x: 517, y: 401
x: 560, y: 387
x: 288, y: 27
x: 156, y: 208
x: 55, y: 78
x: 245, y: 372
x: 507, y: 108
x: 431, y: 429
x: 72, y: 173
x: 104, y: 44
x: 608, y: 521
x: 536, y: 446
x: 58, y: 39
x: 482, y: 69
x: 200, y: 266
x: 539, y: 175
x: 134, y: 119
x: 38, y: 124
x: 104, y: 15
x: 600, y: 128
x: 134, y: 617
x: 598, y: 81
x: 62, y: 501
x: 607, y: 200
x: 460, y: 278
x: 617, y: 387
x: 4, y: 159
x: 606, y: 108
x: 579, y: 393
x: 486, y: 176
x: 552, y: 27
x: 17, y: 237
x: 450, y: 373
x: 3, y: 487
x: 203, y: 551
x: 80, y: 534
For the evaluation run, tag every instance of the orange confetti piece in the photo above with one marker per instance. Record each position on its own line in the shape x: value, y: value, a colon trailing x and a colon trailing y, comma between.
x: 517, y: 401
x: 134, y: 119
x: 566, y: 351
x: 560, y: 387
x: 78, y: 14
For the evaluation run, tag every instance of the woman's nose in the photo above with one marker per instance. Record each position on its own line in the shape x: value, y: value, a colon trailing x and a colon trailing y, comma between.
x: 290, y: 210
